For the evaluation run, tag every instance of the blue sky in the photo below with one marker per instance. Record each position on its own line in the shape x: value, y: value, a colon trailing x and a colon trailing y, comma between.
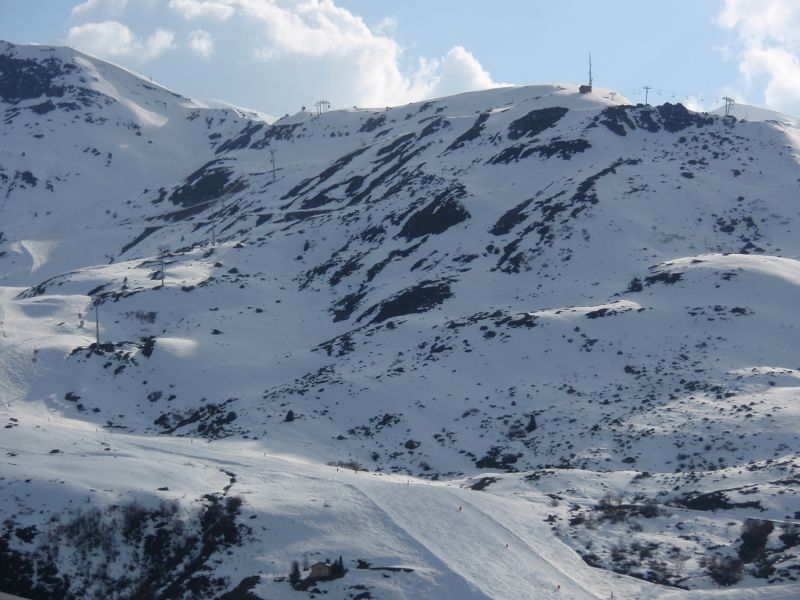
x: 278, y: 55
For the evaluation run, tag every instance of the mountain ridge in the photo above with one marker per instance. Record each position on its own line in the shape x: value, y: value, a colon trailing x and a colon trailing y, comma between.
x: 561, y: 290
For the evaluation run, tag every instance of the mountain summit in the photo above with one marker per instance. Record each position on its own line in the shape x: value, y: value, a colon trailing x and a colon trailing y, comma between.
x: 497, y: 344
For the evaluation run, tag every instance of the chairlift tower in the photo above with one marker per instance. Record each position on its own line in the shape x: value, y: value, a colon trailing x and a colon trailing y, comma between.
x: 323, y: 106
x: 728, y: 105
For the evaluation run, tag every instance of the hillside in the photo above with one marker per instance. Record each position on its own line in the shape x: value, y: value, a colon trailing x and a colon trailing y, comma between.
x: 566, y: 325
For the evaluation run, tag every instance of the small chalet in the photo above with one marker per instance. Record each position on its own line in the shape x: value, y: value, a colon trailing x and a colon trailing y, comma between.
x: 320, y: 570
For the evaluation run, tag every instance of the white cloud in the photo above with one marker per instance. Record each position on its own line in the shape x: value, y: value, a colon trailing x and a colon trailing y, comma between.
x: 341, y: 56
x: 768, y: 47
x: 386, y: 26
x: 201, y: 43
x: 455, y: 72
x: 114, y: 39
x: 367, y: 61
x: 112, y: 6
x: 192, y: 9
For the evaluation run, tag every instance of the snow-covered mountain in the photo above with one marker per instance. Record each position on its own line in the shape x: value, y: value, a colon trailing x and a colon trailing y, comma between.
x: 520, y: 343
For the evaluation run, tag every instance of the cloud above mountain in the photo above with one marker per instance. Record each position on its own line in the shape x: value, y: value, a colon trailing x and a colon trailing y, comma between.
x: 115, y: 39
x: 355, y: 64
x: 767, y: 47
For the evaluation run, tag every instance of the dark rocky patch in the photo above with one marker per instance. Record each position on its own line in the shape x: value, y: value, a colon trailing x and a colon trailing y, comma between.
x: 498, y: 458
x: 22, y: 79
x: 564, y: 149
x: 400, y: 142
x: 379, y: 266
x: 242, y: 140
x: 535, y: 122
x: 208, y: 183
x: 417, y: 299
x: 43, y: 108
x: 309, y: 184
x: 372, y: 124
x: 713, y: 501
x: 281, y: 133
x: 148, y: 231
x: 344, y: 307
x: 436, y: 124
x: 664, y: 277
x: 511, y: 218
x: 483, y: 483
x: 213, y: 420
x: 387, y: 175
x: 472, y: 133
x: 676, y: 117
x: 442, y: 213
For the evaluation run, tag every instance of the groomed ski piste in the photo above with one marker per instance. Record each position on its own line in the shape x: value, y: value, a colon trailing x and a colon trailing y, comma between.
x: 520, y: 343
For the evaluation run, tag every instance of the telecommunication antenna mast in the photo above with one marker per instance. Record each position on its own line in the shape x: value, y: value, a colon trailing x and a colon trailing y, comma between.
x: 587, y: 89
x: 590, y: 69
x: 647, y: 89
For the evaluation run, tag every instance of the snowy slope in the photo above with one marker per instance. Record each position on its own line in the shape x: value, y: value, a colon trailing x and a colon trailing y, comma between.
x: 596, y: 302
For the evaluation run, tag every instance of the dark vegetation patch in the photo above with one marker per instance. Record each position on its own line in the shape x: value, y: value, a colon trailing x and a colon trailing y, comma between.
x: 160, y: 553
x: 754, y: 539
